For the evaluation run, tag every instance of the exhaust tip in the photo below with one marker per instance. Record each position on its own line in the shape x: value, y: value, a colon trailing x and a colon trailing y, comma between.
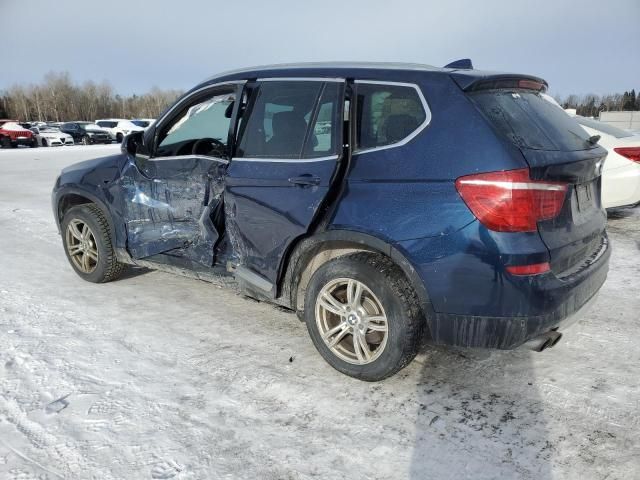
x: 544, y: 341
x: 555, y: 338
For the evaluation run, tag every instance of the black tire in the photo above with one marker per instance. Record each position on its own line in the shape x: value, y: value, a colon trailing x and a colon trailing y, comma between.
x: 34, y: 143
x: 86, y: 140
x: 5, y: 142
x: 119, y: 137
x: 107, y: 268
x: 405, y: 319
x: 44, y: 142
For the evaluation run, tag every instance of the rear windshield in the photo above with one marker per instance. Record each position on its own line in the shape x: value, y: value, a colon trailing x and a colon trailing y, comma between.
x: 530, y: 121
x: 603, y: 127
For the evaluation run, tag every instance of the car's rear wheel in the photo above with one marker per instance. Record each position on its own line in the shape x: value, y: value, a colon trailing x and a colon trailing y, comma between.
x: 87, y: 243
x: 363, y: 316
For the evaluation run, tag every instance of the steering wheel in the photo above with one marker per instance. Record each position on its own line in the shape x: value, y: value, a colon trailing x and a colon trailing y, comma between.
x: 214, y: 145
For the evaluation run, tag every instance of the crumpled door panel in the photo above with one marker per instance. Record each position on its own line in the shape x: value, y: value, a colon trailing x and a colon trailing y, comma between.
x: 169, y: 205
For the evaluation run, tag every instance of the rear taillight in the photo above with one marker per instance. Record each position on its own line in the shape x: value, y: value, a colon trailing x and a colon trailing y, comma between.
x: 632, y: 153
x: 510, y: 201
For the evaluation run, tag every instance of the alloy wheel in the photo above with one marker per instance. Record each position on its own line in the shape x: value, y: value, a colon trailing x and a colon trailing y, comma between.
x: 351, y: 321
x: 81, y: 245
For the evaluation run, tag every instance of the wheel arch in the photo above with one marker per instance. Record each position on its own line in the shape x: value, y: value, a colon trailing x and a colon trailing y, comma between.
x: 312, y: 252
x: 71, y: 197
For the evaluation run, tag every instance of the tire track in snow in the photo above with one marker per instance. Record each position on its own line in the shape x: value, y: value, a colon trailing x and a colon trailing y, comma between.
x: 71, y: 464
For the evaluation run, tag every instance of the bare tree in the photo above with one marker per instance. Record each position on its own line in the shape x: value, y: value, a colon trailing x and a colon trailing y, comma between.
x: 58, y: 99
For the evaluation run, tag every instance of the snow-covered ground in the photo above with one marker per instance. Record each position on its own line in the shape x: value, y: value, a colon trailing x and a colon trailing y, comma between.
x: 159, y: 376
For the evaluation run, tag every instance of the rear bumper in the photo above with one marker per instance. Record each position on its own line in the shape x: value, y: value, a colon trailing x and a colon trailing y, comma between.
x: 23, y: 141
x: 94, y: 140
x: 621, y: 186
x: 479, y: 305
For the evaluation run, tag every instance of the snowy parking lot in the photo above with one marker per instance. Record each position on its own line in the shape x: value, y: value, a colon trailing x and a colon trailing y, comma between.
x: 160, y: 376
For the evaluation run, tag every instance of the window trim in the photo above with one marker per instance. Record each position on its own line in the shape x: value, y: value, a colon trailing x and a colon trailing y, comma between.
x: 301, y: 79
x: 284, y: 160
x: 412, y: 135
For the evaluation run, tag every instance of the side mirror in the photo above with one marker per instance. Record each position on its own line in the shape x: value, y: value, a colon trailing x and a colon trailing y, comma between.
x: 133, y: 143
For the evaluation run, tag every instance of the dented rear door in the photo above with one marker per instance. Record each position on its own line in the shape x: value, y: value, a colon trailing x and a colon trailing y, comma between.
x: 290, y: 146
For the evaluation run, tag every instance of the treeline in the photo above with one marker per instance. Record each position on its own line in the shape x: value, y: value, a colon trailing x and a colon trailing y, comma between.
x: 59, y: 99
x: 591, y: 105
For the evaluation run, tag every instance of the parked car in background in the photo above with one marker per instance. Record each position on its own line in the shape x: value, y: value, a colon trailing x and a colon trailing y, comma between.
x: 86, y: 133
x: 353, y: 195
x: 621, y: 173
x: 118, y: 128
x: 51, y: 136
x: 13, y: 134
x: 143, y: 122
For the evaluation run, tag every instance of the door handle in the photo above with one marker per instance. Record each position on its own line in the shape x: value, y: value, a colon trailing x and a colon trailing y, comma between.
x: 305, y: 180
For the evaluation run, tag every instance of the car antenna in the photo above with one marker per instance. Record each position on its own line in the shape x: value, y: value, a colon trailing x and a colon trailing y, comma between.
x: 593, y: 139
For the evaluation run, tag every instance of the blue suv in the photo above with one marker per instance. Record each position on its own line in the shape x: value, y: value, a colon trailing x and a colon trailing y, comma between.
x: 381, y: 202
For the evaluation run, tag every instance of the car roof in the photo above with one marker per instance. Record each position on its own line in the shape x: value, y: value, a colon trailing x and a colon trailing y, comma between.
x: 392, y: 71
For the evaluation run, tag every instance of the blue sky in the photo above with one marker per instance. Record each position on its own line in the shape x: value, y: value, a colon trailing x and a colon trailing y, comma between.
x: 577, y: 46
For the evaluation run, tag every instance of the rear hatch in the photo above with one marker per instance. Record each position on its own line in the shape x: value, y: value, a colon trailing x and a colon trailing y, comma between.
x: 556, y: 148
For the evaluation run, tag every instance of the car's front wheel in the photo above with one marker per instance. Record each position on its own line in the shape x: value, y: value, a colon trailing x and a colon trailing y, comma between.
x: 119, y: 137
x: 44, y: 142
x: 86, y: 140
x: 87, y: 242
x: 363, y: 316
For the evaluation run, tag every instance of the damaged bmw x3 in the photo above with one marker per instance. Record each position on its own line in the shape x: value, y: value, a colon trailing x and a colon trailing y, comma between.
x: 383, y: 203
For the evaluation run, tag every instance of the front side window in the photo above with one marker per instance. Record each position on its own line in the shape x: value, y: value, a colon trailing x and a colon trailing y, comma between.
x: 386, y: 114
x: 281, y: 113
x: 201, y: 128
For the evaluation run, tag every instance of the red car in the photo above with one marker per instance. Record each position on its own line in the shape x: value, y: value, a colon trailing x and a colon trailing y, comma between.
x: 13, y: 134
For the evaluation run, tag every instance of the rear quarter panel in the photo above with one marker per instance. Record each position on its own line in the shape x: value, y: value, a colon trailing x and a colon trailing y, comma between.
x: 409, y: 192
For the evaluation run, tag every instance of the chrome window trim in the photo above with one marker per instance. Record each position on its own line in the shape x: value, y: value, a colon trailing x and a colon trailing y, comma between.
x: 412, y: 135
x: 301, y: 79
x: 182, y: 157
x: 284, y: 160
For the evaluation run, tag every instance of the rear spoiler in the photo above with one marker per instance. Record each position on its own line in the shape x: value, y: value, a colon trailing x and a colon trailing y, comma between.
x: 474, y: 80
x: 463, y: 63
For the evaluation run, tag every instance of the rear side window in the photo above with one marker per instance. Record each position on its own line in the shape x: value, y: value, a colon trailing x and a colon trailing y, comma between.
x: 387, y: 114
x: 530, y: 121
x: 291, y: 119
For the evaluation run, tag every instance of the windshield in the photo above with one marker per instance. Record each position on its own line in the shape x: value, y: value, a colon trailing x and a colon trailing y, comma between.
x: 49, y: 129
x: 603, y: 127
x: 12, y: 126
x: 90, y: 126
x: 530, y: 121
